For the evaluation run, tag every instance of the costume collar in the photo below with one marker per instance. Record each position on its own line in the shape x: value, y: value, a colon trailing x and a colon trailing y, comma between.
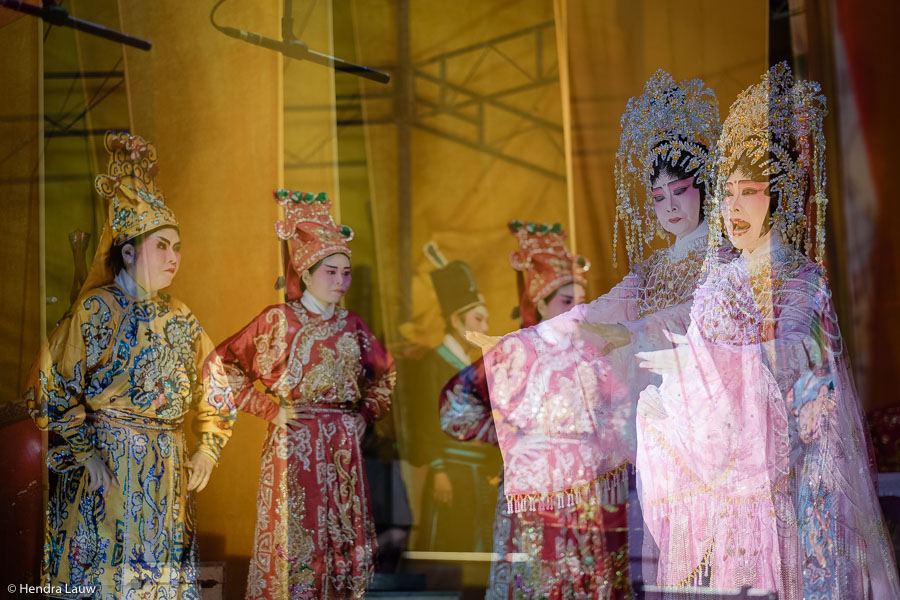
x: 686, y: 242
x: 766, y: 253
x: 131, y: 287
x: 455, y: 349
x: 316, y: 306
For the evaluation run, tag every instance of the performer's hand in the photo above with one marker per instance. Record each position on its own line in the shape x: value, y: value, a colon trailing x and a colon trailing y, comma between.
x: 485, y: 342
x: 99, y: 476
x: 650, y: 404
x: 286, y: 416
x: 443, y: 490
x: 664, y: 362
x: 200, y: 467
x: 614, y: 336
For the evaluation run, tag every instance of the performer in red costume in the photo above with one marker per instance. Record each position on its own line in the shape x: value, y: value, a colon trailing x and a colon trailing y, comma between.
x: 547, y: 554
x: 326, y: 377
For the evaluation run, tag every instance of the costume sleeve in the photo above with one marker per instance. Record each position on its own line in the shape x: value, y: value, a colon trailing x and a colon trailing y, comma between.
x: 56, y: 393
x: 650, y: 333
x: 465, y: 407
x: 251, y: 353
x: 805, y: 332
x: 561, y: 407
x: 616, y: 306
x: 379, y: 377
x: 213, y: 400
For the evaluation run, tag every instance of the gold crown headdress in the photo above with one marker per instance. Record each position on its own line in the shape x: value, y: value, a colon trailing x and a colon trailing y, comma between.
x: 673, y: 122
x: 777, y: 124
x: 136, y: 204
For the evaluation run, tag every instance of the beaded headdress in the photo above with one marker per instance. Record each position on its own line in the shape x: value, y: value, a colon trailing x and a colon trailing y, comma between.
x: 674, y: 122
x: 309, y: 230
x: 777, y: 123
x: 136, y: 204
x: 544, y: 264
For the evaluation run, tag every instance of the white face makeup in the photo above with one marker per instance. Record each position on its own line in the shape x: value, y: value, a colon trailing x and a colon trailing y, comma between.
x: 331, y: 280
x: 745, y: 211
x: 677, y: 204
x: 565, y: 298
x: 154, y: 264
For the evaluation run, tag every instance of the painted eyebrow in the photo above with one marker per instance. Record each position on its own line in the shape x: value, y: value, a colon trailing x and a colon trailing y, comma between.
x: 165, y: 239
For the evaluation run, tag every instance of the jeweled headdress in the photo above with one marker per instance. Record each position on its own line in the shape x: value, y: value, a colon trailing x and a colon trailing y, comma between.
x: 544, y: 264
x: 136, y: 204
x: 777, y: 123
x: 309, y: 229
x: 676, y: 122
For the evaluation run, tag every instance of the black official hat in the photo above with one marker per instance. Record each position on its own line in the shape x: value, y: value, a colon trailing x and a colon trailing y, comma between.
x: 454, y: 283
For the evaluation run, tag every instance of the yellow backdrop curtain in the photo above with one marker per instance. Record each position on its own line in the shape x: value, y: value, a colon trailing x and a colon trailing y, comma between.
x: 213, y: 106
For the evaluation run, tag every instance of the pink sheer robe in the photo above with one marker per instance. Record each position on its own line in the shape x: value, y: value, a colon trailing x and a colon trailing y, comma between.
x: 757, y: 471
x: 754, y: 468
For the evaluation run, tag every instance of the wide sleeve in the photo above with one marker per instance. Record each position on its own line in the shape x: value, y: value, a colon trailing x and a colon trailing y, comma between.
x: 651, y: 332
x: 805, y: 333
x: 378, y: 377
x: 723, y: 425
x: 616, y: 306
x: 465, y: 406
x: 56, y: 393
x: 561, y: 408
x: 250, y: 354
x: 213, y: 401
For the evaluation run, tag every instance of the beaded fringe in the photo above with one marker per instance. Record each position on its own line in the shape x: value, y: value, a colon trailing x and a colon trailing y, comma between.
x: 609, y: 488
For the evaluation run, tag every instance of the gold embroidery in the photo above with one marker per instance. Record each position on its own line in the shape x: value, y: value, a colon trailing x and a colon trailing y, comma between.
x: 668, y: 282
x: 311, y: 331
x: 270, y: 346
x: 347, y: 500
x: 336, y: 375
x: 299, y: 539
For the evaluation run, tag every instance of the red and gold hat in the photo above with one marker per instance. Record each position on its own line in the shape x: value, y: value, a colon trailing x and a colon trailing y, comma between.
x: 544, y: 264
x: 308, y: 230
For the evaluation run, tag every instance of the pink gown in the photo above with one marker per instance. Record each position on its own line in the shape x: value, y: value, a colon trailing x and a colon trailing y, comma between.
x: 754, y: 467
x: 759, y: 471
